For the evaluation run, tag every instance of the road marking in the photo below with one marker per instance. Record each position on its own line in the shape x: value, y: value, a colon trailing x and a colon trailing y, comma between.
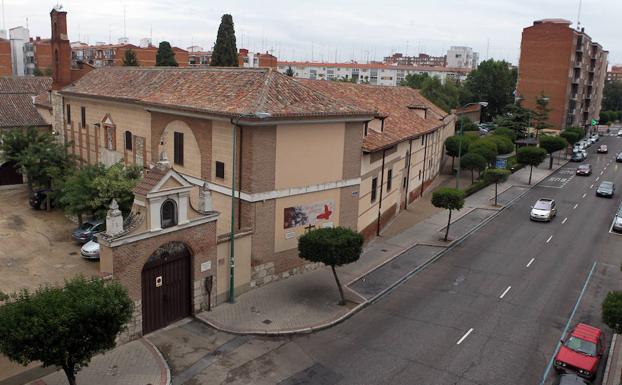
x: 464, y: 336
x: 576, y: 306
x: 575, y: 206
x: 602, y: 172
x: 584, y: 195
x: 564, y: 221
x: 505, y: 292
x: 530, y: 262
x: 592, y: 186
x: 597, y: 178
x: 549, y: 240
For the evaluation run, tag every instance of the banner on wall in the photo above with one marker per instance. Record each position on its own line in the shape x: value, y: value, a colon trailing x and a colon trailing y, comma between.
x: 309, y: 214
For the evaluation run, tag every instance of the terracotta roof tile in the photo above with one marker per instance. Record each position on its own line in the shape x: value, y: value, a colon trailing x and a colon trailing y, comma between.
x: 221, y: 91
x: 18, y: 110
x: 43, y: 100
x: 396, y: 104
x: 24, y: 85
x: 150, y: 179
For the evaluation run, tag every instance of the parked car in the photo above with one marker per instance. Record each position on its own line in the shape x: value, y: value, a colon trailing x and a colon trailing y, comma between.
x: 620, y: 133
x: 38, y: 198
x: 602, y: 149
x: 85, y: 232
x: 571, y: 379
x: 90, y: 250
x: 544, y: 210
x: 619, y: 158
x: 595, y: 137
x: 592, y: 140
x: 577, y: 157
x: 584, y: 169
x: 581, y: 351
x: 605, y: 189
x: 617, y: 220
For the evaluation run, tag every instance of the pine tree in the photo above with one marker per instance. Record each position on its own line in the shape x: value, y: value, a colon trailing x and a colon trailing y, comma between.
x: 129, y: 59
x: 289, y: 71
x: 225, y: 51
x: 165, y: 56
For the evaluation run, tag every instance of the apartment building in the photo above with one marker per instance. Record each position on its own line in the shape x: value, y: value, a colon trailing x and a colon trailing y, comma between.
x: 615, y: 74
x: 37, y: 55
x: 565, y: 65
x: 418, y: 61
x: 6, y: 66
x: 374, y: 74
x: 462, y: 57
x: 105, y: 55
x: 18, y: 36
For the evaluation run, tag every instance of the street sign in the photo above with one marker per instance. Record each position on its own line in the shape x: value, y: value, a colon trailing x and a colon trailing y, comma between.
x: 501, y: 163
x: 594, y: 122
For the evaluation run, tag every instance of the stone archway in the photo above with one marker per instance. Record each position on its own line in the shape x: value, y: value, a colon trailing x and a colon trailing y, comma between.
x: 166, y: 286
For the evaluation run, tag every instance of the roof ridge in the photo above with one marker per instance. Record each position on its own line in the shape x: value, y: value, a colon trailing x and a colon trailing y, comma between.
x: 263, y: 95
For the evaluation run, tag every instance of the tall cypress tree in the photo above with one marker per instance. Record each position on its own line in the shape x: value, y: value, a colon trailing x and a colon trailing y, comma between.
x: 225, y: 51
x: 165, y: 56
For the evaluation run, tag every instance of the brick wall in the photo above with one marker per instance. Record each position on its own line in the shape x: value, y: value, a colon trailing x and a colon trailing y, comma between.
x: 6, y: 68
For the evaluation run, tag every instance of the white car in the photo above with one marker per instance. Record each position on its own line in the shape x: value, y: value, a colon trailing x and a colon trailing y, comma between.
x: 90, y: 250
x: 544, y: 210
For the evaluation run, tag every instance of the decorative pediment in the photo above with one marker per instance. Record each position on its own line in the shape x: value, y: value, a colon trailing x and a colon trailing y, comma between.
x: 108, y: 120
x: 171, y: 181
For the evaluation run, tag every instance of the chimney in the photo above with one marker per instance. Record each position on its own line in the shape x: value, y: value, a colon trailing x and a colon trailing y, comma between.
x: 61, y: 50
x: 114, y: 220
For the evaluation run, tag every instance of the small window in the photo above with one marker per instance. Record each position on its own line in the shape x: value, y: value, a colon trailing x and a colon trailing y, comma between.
x: 422, y: 140
x: 178, y: 148
x: 128, y: 140
x: 220, y: 169
x: 389, y: 179
x: 83, y: 116
x: 374, y: 187
x: 68, y: 113
x: 168, y: 214
x: 404, y: 183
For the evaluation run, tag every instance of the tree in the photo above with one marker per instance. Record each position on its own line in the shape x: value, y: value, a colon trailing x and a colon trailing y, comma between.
x: 64, y: 326
x: 78, y: 193
x: 37, y: 72
x: 515, y: 117
x: 612, y: 311
x: 450, y: 199
x: 485, y: 147
x: 466, y: 124
x: 496, y: 176
x: 117, y: 183
x: 494, y: 82
x: 579, y: 130
x: 225, y: 52
x: 473, y: 161
x: 130, y: 60
x: 508, y: 133
x: 165, y: 57
x: 612, y: 96
x: 453, y: 144
x: 571, y: 137
x: 552, y: 144
x: 504, y: 144
x: 541, y: 114
x: 445, y: 95
x: 289, y: 71
x: 531, y: 156
x: 333, y: 247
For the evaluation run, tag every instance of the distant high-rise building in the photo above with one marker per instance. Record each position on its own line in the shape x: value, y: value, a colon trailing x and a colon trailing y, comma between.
x: 420, y: 60
x: 19, y: 36
x: 462, y: 57
x: 615, y: 74
x: 566, y: 66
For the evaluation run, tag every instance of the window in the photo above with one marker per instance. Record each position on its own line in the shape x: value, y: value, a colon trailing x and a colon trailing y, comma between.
x: 374, y: 187
x: 178, y: 150
x: 68, y: 113
x: 389, y: 179
x: 220, y: 169
x: 128, y: 140
x: 422, y: 140
x: 168, y: 214
x: 83, y: 116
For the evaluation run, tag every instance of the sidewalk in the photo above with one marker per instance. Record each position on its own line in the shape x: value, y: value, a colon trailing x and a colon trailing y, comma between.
x: 135, y: 363
x: 308, y: 302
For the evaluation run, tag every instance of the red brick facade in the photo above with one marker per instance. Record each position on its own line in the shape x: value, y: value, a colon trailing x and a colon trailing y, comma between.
x: 6, y: 68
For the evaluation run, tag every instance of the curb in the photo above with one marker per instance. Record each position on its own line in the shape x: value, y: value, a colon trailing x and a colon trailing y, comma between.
x: 389, y: 289
x: 609, y: 359
x: 165, y: 370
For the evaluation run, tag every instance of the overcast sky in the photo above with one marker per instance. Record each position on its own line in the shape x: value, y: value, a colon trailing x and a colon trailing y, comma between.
x: 325, y: 30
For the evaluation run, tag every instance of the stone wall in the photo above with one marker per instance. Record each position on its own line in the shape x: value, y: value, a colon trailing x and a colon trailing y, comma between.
x: 266, y: 273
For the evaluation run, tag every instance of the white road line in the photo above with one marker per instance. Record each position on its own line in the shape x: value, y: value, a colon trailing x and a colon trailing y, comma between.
x: 549, y: 240
x: 505, y: 292
x: 530, y: 262
x: 464, y: 336
x: 602, y: 172
x: 597, y: 178
x: 575, y: 206
x: 584, y: 195
x: 592, y: 186
x: 564, y: 221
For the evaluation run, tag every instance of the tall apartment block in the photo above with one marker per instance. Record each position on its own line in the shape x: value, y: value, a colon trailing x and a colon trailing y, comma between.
x: 567, y: 66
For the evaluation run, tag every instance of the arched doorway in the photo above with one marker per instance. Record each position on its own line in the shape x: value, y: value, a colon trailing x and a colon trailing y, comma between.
x: 9, y: 174
x: 166, y: 286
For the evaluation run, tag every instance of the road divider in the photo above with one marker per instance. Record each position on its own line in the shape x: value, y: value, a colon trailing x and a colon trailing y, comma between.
x: 464, y: 336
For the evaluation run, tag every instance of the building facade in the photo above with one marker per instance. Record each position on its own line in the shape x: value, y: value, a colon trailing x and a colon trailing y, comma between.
x: 418, y: 61
x: 566, y: 66
x: 18, y: 36
x: 107, y: 55
x: 6, y: 63
x: 38, y: 56
x: 374, y: 74
x: 462, y: 57
x: 615, y: 74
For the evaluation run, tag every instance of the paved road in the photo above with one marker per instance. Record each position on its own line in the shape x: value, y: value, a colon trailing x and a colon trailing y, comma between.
x: 490, y: 311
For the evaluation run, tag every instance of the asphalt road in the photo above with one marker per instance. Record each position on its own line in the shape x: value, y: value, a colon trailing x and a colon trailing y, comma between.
x: 492, y: 310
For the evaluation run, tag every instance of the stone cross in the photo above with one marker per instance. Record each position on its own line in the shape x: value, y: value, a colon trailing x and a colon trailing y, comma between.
x: 114, y: 220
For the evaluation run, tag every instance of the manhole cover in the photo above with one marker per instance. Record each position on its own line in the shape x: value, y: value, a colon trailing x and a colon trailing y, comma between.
x: 267, y: 321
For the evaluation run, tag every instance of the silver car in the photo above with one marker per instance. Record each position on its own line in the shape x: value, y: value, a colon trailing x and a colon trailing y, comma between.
x: 544, y: 210
x: 90, y: 250
x: 617, y: 220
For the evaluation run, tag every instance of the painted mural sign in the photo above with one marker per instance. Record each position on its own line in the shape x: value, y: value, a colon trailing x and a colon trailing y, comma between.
x: 310, y: 214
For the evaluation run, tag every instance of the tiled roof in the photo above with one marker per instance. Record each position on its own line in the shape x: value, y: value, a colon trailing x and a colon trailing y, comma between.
x: 220, y: 91
x: 471, y: 108
x: 43, y: 100
x: 374, y: 66
x: 18, y: 110
x: 24, y: 85
x: 397, y: 104
x: 150, y: 179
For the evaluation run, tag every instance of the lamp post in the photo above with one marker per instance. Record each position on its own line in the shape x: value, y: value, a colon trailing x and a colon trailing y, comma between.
x: 483, y: 104
x: 235, y: 121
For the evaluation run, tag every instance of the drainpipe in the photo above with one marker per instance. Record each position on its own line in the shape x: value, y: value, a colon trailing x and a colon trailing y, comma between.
x: 425, y: 154
x: 410, y: 154
x: 240, y: 178
x: 380, y: 201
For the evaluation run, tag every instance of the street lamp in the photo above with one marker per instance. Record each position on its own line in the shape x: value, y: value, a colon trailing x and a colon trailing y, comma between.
x: 235, y: 121
x: 483, y: 104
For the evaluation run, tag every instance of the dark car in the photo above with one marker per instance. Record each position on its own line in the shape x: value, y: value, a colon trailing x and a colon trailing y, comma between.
x: 87, y: 230
x: 577, y: 157
x: 584, y: 169
x: 38, y: 199
x: 605, y: 189
x: 581, y: 351
x: 619, y: 158
x: 571, y: 379
x: 603, y: 149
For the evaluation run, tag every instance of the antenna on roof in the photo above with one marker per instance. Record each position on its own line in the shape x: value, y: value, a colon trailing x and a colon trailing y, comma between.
x: 124, y: 29
x: 3, y: 20
x: 579, y: 15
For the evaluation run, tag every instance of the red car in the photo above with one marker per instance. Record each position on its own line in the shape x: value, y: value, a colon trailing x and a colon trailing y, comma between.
x: 581, y: 351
